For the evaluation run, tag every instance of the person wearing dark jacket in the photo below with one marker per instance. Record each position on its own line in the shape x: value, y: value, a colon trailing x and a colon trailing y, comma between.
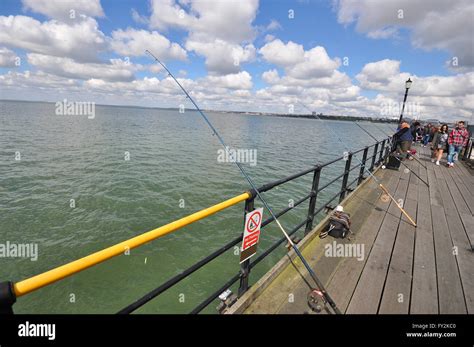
x: 403, y: 139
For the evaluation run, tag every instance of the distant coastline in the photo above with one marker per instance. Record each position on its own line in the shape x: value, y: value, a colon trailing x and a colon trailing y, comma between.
x: 265, y: 114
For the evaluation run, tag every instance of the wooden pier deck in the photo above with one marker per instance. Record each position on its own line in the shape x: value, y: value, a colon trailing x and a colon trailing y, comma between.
x: 404, y: 270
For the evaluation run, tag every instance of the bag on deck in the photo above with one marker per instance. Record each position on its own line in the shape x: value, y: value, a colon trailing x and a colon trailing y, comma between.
x: 338, y: 225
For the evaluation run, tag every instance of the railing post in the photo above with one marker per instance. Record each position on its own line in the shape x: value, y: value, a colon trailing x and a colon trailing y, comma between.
x: 345, y: 178
x: 387, y: 149
x: 381, y: 152
x: 245, y: 266
x: 362, y: 166
x: 312, y: 200
x: 7, y: 298
x: 374, y: 157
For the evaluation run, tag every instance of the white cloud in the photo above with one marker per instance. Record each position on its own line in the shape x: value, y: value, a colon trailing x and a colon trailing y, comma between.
x: 299, y: 63
x: 271, y: 76
x: 132, y: 42
x: 438, y: 24
x: 383, y: 33
x: 269, y: 38
x: 220, y: 31
x: 138, y: 18
x: 222, y: 57
x: 278, y: 53
x: 316, y: 63
x: 117, y: 70
x: 241, y: 80
x: 443, y: 96
x: 7, y: 57
x: 274, y: 25
x: 81, y: 41
x: 65, y: 9
x: 377, y: 75
x: 23, y: 81
x: 226, y: 20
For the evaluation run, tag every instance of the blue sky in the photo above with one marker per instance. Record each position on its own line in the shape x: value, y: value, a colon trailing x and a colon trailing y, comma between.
x: 346, y: 32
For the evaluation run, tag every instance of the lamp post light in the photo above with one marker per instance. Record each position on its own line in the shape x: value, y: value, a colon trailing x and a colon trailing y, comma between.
x: 407, y: 86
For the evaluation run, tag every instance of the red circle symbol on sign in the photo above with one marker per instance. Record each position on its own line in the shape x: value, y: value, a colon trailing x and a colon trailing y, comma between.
x: 253, y: 222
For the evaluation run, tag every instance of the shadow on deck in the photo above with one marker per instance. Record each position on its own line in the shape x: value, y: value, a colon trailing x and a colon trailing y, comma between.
x: 428, y: 269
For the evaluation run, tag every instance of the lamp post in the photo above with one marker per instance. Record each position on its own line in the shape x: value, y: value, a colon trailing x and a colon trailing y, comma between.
x: 407, y: 86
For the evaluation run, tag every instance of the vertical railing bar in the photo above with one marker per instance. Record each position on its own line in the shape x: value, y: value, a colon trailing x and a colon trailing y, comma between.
x: 381, y: 151
x: 346, y: 177
x: 362, y: 167
x: 374, y: 157
x: 312, y: 201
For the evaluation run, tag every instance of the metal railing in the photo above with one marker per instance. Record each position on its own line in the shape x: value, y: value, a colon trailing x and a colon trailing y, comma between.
x: 9, y: 291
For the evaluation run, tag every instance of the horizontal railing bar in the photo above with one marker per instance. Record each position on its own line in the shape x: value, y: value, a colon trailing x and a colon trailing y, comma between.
x: 278, y: 215
x: 56, y: 274
x: 331, y: 182
x: 214, y: 296
x: 354, y: 167
x: 325, y: 204
x: 356, y: 179
x: 276, y: 183
x: 174, y: 280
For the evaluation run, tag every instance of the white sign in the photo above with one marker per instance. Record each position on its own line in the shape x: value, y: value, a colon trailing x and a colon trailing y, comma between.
x: 253, y: 221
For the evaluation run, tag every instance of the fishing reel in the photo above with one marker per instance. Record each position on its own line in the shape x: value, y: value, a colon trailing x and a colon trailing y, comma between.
x: 227, y: 299
x: 316, y: 300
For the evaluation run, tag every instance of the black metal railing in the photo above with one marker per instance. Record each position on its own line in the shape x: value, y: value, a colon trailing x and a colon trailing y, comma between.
x: 379, y: 153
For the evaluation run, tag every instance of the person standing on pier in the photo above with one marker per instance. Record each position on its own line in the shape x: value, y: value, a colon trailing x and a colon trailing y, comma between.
x: 457, y: 139
x: 426, y: 134
x: 403, y: 139
x: 439, y: 143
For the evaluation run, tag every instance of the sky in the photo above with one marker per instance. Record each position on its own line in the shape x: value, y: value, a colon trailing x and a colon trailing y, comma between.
x: 341, y: 57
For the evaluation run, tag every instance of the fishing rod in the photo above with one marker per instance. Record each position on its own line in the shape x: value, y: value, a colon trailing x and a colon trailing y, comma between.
x: 381, y: 186
x: 401, y: 162
x: 319, y: 284
x: 413, y: 156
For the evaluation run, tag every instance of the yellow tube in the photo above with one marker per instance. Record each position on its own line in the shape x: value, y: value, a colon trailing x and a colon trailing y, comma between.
x: 51, y: 276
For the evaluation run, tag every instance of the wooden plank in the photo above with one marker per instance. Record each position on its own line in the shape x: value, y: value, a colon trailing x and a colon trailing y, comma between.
x: 450, y: 294
x: 424, y: 294
x: 366, y: 297
x: 459, y: 201
x: 462, y: 247
x: 468, y: 222
x: 464, y: 191
x: 345, y: 278
x: 465, y: 259
x: 435, y: 195
x: 448, y: 202
x: 396, y: 294
x: 463, y: 175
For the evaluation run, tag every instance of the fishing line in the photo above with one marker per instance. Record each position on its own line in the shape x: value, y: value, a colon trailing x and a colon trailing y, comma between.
x: 254, y: 187
x: 401, y: 162
x: 362, y: 165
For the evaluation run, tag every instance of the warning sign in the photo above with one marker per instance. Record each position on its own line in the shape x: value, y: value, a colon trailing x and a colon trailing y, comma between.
x: 253, y: 221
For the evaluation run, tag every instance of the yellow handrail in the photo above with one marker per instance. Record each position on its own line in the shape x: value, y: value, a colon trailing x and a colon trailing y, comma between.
x: 51, y: 276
